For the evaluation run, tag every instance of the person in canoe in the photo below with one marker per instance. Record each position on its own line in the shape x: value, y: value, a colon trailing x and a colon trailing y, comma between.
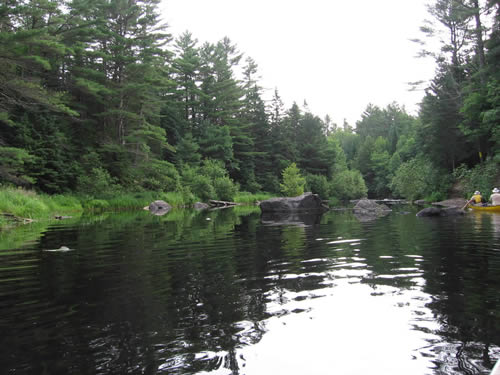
x: 477, y: 198
x: 495, y: 197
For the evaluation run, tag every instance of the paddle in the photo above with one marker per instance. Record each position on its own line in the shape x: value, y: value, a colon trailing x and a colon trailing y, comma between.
x: 468, y: 202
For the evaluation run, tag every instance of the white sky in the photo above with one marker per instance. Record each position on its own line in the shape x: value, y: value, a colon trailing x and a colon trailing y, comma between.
x: 338, y: 55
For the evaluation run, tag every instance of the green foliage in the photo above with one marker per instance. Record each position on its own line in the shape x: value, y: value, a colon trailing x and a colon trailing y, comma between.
x: 293, y: 183
x: 90, y: 92
x: 250, y: 198
x: 482, y: 177
x: 155, y: 175
x: 202, y: 187
x: 318, y: 184
x: 418, y: 178
x: 187, y: 151
x: 347, y: 185
x: 12, y: 166
x: 225, y: 189
x: 28, y: 204
x: 97, y: 181
x: 210, y: 181
x: 96, y: 205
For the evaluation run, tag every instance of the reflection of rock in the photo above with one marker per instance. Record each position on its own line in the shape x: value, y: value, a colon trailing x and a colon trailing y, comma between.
x: 366, y: 210
x: 306, y: 202
x: 435, y: 211
x: 159, y: 207
x: 300, y: 219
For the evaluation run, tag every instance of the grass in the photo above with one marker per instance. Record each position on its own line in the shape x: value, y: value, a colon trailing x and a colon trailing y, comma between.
x: 124, y: 201
x: 28, y: 204
x: 31, y: 205
x: 251, y: 198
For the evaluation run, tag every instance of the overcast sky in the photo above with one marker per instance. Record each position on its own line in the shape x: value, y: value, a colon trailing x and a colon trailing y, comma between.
x: 338, y: 55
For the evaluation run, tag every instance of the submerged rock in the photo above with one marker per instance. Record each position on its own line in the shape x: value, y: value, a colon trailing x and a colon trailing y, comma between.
x: 306, y: 202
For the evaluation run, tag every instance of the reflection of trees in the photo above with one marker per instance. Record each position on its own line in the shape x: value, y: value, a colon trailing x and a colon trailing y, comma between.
x: 182, y: 294
x: 462, y: 274
x: 138, y: 292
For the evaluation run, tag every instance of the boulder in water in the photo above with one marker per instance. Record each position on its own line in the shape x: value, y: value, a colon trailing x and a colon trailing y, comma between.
x: 306, y: 202
x: 366, y: 210
x: 159, y: 207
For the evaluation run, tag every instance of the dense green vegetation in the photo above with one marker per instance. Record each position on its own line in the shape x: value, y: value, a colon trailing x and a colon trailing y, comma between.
x: 96, y: 98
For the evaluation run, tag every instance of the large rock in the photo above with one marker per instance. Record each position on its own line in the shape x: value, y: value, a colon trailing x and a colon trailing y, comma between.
x: 306, y: 202
x: 366, y: 210
x: 159, y: 207
x: 436, y: 211
x: 453, y: 202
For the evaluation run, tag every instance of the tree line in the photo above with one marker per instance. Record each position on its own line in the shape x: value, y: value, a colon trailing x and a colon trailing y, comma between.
x: 97, y: 96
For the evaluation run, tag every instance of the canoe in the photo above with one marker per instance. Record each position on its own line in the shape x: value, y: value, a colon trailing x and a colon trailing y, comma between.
x: 485, y: 208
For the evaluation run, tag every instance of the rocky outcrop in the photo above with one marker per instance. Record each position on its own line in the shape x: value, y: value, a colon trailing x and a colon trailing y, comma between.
x: 306, y: 202
x: 453, y: 202
x: 439, y: 212
x: 159, y: 207
x: 366, y: 210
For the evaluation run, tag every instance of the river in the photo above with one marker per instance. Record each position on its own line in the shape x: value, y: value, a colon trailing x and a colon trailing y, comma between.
x: 222, y: 292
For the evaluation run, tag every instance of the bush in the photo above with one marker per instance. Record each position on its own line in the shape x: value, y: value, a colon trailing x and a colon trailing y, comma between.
x: 318, y: 184
x: 418, y: 178
x: 97, y: 181
x: 210, y: 181
x: 293, y: 183
x: 155, y: 175
x: 482, y: 177
x: 225, y: 189
x: 202, y: 188
x: 348, y: 184
x: 271, y: 182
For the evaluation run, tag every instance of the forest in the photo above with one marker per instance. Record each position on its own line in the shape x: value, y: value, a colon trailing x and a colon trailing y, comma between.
x: 96, y: 97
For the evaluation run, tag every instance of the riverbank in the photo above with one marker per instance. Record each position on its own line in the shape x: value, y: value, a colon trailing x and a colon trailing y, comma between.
x: 19, y: 206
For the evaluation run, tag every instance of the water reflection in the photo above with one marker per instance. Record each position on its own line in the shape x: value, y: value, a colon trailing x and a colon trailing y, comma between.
x: 299, y: 219
x: 180, y: 294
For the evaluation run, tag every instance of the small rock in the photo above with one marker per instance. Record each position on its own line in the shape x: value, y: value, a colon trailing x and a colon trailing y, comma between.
x: 159, y: 207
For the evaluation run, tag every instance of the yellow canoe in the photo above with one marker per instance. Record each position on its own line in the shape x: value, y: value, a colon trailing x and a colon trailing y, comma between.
x: 485, y: 208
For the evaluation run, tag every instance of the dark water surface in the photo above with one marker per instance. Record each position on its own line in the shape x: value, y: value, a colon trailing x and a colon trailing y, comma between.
x: 222, y: 292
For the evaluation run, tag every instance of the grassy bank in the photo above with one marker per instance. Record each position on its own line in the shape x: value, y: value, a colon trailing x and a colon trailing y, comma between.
x: 26, y: 204
x: 30, y: 205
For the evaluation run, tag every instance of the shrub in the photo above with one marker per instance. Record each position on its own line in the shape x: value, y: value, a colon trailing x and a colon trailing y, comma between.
x: 155, y: 175
x: 318, y: 184
x: 97, y: 181
x: 225, y: 189
x: 202, y: 187
x: 348, y: 184
x: 482, y: 177
x: 418, y: 178
x: 293, y: 183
